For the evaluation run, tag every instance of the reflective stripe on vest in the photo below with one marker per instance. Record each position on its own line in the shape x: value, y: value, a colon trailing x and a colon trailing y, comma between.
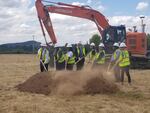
x: 61, y: 59
x: 71, y: 60
x: 41, y: 54
x: 100, y: 60
x: 124, y: 58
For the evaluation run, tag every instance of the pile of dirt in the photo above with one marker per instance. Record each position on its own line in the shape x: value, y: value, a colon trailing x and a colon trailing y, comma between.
x: 38, y: 83
x: 99, y: 85
x: 69, y: 83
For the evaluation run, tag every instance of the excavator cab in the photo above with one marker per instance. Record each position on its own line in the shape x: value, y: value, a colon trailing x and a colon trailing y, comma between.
x: 113, y: 34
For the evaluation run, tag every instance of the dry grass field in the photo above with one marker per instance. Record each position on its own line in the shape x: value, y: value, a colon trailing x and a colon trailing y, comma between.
x: 15, y: 69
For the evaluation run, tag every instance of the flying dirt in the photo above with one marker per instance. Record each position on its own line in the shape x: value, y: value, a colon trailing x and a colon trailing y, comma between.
x: 70, y: 83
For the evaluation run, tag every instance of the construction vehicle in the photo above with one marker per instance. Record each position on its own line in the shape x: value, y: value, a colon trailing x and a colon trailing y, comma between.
x: 110, y: 34
x: 137, y: 46
x: 82, y: 12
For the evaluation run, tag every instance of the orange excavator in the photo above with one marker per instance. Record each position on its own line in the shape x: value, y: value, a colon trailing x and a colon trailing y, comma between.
x: 137, y: 46
x: 110, y: 34
x: 117, y: 33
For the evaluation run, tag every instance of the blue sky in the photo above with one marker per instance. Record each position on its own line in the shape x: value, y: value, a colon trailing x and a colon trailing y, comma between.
x: 124, y: 7
x: 114, y: 7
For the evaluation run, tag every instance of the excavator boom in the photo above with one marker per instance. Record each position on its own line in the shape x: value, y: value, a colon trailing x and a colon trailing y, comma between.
x: 69, y: 10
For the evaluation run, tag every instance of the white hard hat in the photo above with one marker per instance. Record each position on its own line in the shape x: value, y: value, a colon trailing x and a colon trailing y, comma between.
x: 92, y: 44
x: 59, y: 45
x: 70, y: 53
x: 122, y: 45
x: 80, y: 42
x: 42, y: 44
x: 56, y: 45
x: 116, y: 44
x: 101, y: 45
x: 69, y: 45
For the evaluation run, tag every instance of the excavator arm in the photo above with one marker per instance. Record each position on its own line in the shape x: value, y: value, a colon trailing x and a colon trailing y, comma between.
x: 70, y: 10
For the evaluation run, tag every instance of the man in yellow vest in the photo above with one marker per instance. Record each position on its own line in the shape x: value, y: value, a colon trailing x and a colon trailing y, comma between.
x: 43, y: 55
x: 114, y: 59
x: 100, y: 56
x: 70, y: 58
x: 124, y: 62
x: 92, y: 53
x: 81, y: 53
x: 59, y: 59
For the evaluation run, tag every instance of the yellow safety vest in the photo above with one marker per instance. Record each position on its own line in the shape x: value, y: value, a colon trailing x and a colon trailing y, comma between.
x: 92, y: 57
x: 98, y: 59
x: 115, y: 54
x: 70, y: 60
x: 124, y: 59
x: 40, y: 52
x: 60, y: 58
x: 83, y: 50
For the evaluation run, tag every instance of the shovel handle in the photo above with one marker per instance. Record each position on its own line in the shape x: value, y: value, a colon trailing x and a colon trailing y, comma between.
x: 43, y: 65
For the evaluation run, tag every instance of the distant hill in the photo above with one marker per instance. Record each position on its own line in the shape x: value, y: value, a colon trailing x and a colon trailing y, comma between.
x: 22, y: 48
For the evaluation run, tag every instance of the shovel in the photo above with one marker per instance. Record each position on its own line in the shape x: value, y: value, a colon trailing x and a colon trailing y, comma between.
x: 43, y: 65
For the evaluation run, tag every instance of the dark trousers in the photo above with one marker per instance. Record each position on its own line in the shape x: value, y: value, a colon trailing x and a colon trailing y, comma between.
x: 117, y: 73
x: 60, y: 66
x: 42, y: 67
x: 80, y: 64
x: 125, y: 70
x: 69, y: 66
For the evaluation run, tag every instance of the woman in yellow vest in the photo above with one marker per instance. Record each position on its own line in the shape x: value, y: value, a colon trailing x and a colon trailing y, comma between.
x: 124, y: 62
x: 70, y: 59
x: 92, y: 53
x: 100, y: 56
x: 43, y: 55
x: 113, y: 61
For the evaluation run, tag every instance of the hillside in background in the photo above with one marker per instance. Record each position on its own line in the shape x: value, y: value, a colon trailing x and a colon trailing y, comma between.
x: 20, y: 48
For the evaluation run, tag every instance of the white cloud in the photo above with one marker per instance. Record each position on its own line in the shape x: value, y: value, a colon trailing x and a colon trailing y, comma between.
x: 130, y: 21
x: 24, y: 26
x: 19, y: 23
x: 17, y: 19
x: 78, y: 3
x: 141, y: 6
x: 59, y: 16
x: 73, y: 29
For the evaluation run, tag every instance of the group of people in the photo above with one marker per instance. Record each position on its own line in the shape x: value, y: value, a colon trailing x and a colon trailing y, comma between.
x: 121, y: 62
x: 73, y: 58
x: 67, y: 58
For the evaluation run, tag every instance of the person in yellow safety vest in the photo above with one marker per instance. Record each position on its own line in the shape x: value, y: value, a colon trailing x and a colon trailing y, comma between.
x: 60, y: 59
x: 124, y: 62
x: 92, y: 53
x: 70, y: 59
x: 81, y: 53
x: 100, y: 56
x: 43, y: 55
x: 114, y: 59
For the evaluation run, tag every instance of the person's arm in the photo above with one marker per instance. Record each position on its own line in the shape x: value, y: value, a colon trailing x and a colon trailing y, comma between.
x: 117, y: 54
x: 38, y: 53
x: 112, y: 58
